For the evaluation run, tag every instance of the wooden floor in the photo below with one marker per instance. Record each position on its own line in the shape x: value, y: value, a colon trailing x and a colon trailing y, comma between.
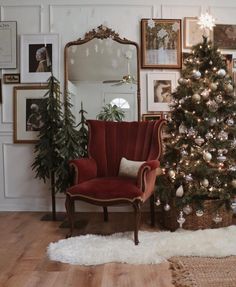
x: 23, y: 261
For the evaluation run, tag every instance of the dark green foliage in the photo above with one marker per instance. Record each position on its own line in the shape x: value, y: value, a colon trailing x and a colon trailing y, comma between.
x: 201, y: 168
x: 83, y: 133
x: 111, y: 113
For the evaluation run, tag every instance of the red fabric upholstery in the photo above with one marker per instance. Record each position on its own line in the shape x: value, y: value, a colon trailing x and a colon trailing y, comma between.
x: 107, y: 188
x: 85, y: 169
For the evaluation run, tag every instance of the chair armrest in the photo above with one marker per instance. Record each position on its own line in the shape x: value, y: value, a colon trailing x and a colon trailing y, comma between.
x: 84, y: 169
x: 147, y: 176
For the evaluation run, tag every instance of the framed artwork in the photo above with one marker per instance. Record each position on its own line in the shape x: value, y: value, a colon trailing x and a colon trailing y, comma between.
x: 39, y: 57
x: 160, y: 87
x: 151, y: 117
x: 11, y: 78
x: 161, y: 43
x: 0, y: 91
x: 8, y: 44
x: 192, y: 32
x: 234, y: 63
x: 228, y: 58
x: 27, y: 119
x: 224, y: 36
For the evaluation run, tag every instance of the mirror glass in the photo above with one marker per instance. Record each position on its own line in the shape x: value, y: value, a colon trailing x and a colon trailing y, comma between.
x: 101, y: 71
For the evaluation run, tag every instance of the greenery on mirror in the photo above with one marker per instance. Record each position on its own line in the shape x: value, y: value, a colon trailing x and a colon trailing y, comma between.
x: 200, y: 152
x: 111, y: 113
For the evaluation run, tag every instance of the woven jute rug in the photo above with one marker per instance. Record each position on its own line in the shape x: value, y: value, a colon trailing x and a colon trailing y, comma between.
x: 203, y: 271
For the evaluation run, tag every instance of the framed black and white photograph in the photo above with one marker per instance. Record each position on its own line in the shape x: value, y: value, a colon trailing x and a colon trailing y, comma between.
x: 160, y: 88
x: 8, y: 34
x: 161, y: 43
x: 27, y: 118
x: 39, y: 57
x: 11, y: 79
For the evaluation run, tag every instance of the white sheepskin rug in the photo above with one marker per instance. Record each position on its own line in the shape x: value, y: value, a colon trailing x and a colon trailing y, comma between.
x: 154, y: 247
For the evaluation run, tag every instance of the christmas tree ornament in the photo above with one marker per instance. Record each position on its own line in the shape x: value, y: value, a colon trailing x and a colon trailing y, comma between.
x: 167, y: 207
x: 205, y: 94
x: 207, y: 156
x: 206, y: 23
x: 223, y: 136
x: 199, y: 140
x: 196, y: 74
x: 233, y: 183
x: 171, y: 173
x: 158, y: 202
x: 189, y: 177
x: 212, y: 106
x: 230, y: 122
x: 229, y: 88
x: 199, y: 212
x: 151, y: 23
x: 232, y: 168
x: 217, y: 219
x: 181, y: 219
x: 205, y: 182
x: 221, y: 158
x: 196, y: 97
x: 213, y: 86
x: 233, y: 143
x: 219, y: 98
x: 183, y: 152
x: 210, y: 62
x: 192, y: 132
x: 187, y: 209
x: 179, y: 191
x: 182, y: 128
x: 209, y: 135
x: 212, y: 121
x: 221, y: 73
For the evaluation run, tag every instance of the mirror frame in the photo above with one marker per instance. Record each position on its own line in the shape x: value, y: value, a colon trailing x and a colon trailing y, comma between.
x: 102, y: 32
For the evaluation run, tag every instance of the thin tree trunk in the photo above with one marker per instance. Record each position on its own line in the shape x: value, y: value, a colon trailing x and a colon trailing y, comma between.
x: 53, y: 196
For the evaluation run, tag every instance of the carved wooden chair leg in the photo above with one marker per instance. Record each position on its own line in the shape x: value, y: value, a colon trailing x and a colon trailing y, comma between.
x: 70, y: 210
x: 152, y: 210
x: 137, y: 212
x: 105, y: 213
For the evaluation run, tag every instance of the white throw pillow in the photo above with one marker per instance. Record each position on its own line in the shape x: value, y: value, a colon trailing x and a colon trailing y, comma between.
x: 129, y: 168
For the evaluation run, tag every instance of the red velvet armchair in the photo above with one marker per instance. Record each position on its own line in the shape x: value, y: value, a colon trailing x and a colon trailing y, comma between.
x: 97, y: 179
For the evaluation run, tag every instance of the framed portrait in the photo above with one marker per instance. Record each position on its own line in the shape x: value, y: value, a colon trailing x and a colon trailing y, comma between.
x: 192, y: 32
x: 224, y: 36
x: 228, y: 58
x: 39, y: 57
x: 11, y: 79
x: 161, y: 43
x: 27, y: 119
x: 160, y: 87
x: 8, y: 33
x: 151, y: 117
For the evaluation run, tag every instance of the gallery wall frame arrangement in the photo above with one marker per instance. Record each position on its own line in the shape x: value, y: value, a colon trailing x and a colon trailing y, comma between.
x: 8, y: 43
x: 161, y: 43
x: 224, y: 36
x: 160, y: 87
x: 26, y: 117
x: 192, y: 33
x: 151, y: 117
x: 39, y: 57
x: 11, y: 79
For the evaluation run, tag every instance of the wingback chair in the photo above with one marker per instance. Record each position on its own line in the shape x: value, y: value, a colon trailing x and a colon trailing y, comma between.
x: 101, y: 180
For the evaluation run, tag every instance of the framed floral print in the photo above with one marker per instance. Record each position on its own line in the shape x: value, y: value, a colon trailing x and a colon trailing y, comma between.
x: 161, y: 43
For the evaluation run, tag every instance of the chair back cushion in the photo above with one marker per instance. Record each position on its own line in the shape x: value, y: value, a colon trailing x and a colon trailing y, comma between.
x: 110, y: 141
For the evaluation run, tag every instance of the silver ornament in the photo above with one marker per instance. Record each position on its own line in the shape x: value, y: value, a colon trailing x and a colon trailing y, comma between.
x: 212, y: 121
x: 223, y: 136
x: 217, y: 219
x: 233, y: 143
x: 209, y: 135
x: 181, y: 219
x: 199, y: 212
x: 230, y: 122
x: 233, y: 183
x: 221, y: 158
x: 205, y: 94
x: 196, y: 97
x: 219, y: 99
x: 199, y: 140
x: 207, y: 156
x: 213, y: 86
x: 196, y: 74
x: 221, y: 73
x: 171, y: 173
x: 192, y: 132
x: 182, y: 128
x: 158, y: 202
x: 229, y: 88
x: 187, y: 209
x: 183, y: 152
x: 212, y: 106
x: 189, y: 177
x: 179, y: 191
x: 205, y: 182
x: 232, y: 168
x: 167, y: 207
x: 180, y: 81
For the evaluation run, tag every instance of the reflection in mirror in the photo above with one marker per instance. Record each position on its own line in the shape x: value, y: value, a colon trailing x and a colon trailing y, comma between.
x: 102, y: 68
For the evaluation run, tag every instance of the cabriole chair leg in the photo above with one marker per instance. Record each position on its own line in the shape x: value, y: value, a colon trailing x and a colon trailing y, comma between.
x: 137, y: 212
x: 105, y: 213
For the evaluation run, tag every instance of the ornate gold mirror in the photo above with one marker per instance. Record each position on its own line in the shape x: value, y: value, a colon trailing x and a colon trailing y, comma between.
x: 103, y: 68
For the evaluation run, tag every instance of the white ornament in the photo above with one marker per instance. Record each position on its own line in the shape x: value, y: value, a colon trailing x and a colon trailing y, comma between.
x: 221, y: 158
x: 151, y: 23
x: 223, y: 136
x: 217, y: 219
x: 181, y: 81
x: 158, y: 202
x: 209, y: 135
x: 167, y: 207
x: 230, y: 122
x: 206, y: 21
x: 187, y: 209
x: 179, y: 191
x: 205, y: 182
x: 207, y: 156
x: 189, y: 177
x: 205, y: 94
x: 199, y: 212
x: 213, y: 86
x: 213, y: 121
x: 221, y: 73
x: 196, y: 97
x: 171, y: 173
x: 233, y: 183
x: 192, y: 132
x: 196, y: 74
x: 229, y: 88
x: 182, y: 129
x: 181, y: 219
x: 212, y: 106
x: 199, y: 140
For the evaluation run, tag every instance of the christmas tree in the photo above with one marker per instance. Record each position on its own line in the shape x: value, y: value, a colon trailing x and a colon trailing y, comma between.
x: 199, y: 162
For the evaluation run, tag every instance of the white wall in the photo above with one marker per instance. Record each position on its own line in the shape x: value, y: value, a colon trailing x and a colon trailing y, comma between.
x: 71, y: 19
